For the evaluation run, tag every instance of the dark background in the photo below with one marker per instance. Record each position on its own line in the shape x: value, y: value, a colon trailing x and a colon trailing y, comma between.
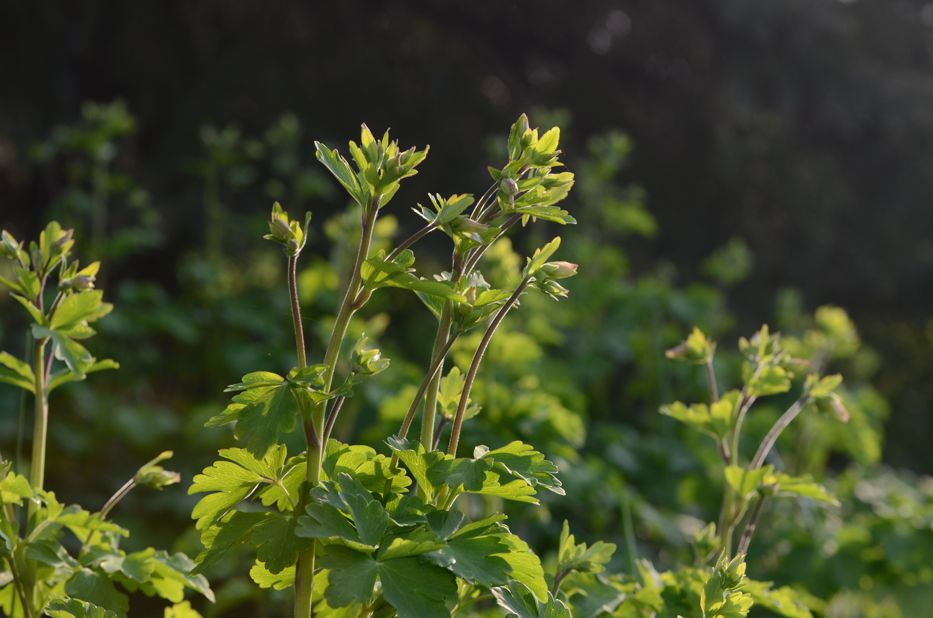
x: 804, y: 127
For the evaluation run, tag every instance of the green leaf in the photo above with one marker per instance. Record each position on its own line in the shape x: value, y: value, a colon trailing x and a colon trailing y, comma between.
x: 746, y: 482
x: 228, y: 482
x: 232, y: 530
x: 87, y: 585
x: 524, y: 462
x: 277, y: 545
x: 696, y: 348
x: 416, y: 589
x: 803, y: 487
x: 76, y: 310
x: 264, y: 409
x: 379, y: 273
x: 33, y: 311
x: 74, y: 608
x: 14, y: 489
x: 771, y: 380
x: 181, y: 610
x: 783, y: 601
x: 65, y: 376
x: 579, y: 557
x: 264, y: 578
x: 15, y: 372
x: 517, y: 600
x: 338, y: 166
x: 714, y: 420
x: 541, y: 256
x: 366, y: 519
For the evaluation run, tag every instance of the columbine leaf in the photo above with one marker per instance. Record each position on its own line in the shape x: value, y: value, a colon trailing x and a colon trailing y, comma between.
x: 517, y: 600
x: 579, y: 557
x: 228, y: 482
x: 745, y: 482
x: 264, y: 578
x: 87, y: 585
x: 264, y: 409
x: 377, y: 273
x: 16, y: 372
x: 415, y: 588
x: 524, y: 462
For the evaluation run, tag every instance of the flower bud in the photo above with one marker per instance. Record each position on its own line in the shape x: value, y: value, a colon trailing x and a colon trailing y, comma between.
x: 83, y: 282
x: 509, y: 187
x: 842, y: 413
x: 559, y: 270
x: 278, y: 227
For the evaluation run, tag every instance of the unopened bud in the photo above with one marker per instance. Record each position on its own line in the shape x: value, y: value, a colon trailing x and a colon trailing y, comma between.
x: 559, y: 270
x: 278, y: 226
x: 64, y: 239
x: 83, y: 282
x: 842, y: 413
x: 509, y: 187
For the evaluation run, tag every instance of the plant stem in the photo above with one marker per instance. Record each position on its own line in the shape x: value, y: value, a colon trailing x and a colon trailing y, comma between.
x: 478, y: 253
x: 40, y: 428
x: 430, y: 227
x: 413, y: 408
x: 296, y: 310
x: 750, y: 526
x: 474, y: 365
x: 438, y: 354
x: 304, y: 574
x: 332, y: 418
x: 779, y: 426
x: 711, y: 379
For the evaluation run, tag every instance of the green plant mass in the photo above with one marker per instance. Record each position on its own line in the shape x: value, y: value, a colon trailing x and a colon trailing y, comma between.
x: 485, y: 469
x: 62, y: 559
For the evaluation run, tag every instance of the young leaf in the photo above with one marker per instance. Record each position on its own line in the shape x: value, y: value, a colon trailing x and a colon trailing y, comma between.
x: 264, y: 410
x: 231, y: 480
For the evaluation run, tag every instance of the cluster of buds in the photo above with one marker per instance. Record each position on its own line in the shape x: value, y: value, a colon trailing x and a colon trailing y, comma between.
x: 287, y: 232
x: 382, y: 163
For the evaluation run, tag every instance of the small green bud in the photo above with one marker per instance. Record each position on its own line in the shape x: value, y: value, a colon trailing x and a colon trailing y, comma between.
x: 509, y: 187
x: 154, y: 476
x: 278, y: 227
x: 559, y: 270
x: 368, y: 361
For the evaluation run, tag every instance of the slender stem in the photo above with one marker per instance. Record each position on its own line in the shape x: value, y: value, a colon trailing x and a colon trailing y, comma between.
x: 40, y: 428
x: 433, y: 371
x: 438, y: 354
x: 478, y: 253
x: 296, y: 310
x: 474, y: 365
x: 332, y: 418
x: 20, y: 589
x: 441, y: 423
x: 109, y: 505
x: 779, y: 426
x: 711, y: 379
x: 304, y: 574
x: 413, y: 408
x: 427, y: 229
x: 750, y: 526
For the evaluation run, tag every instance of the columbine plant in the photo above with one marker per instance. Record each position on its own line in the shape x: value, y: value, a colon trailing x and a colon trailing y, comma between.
x: 355, y: 532
x: 41, y: 575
